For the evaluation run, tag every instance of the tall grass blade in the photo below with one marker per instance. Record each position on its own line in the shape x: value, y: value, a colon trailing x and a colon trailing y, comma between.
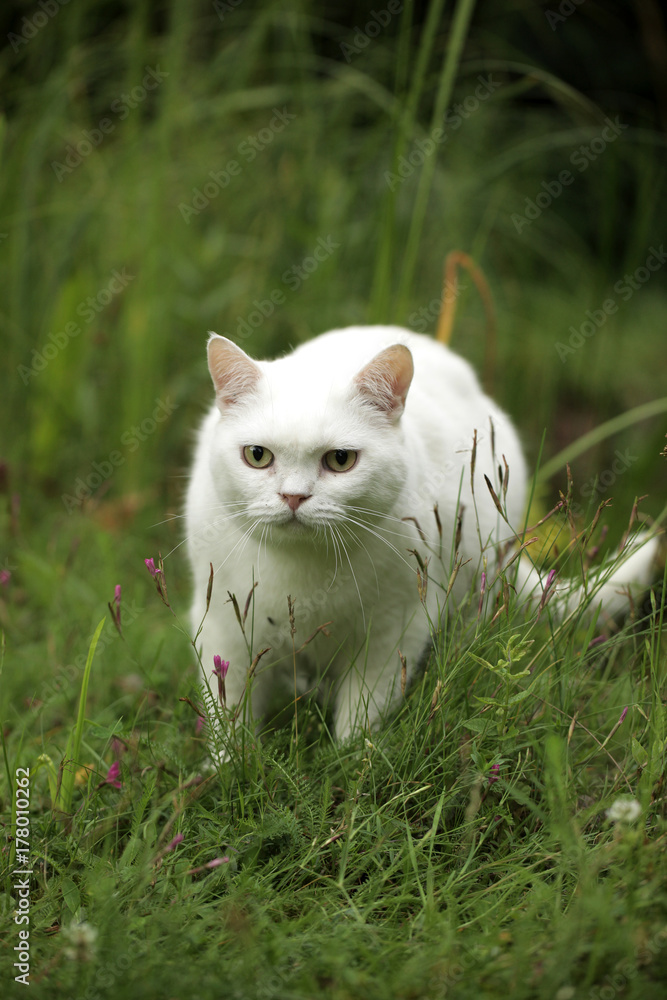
x: 459, y: 30
x: 64, y: 800
x: 601, y: 433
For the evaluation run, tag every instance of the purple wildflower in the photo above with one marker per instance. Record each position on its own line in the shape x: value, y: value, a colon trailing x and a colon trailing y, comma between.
x: 157, y: 572
x: 5, y: 577
x: 113, y: 773
x: 493, y: 777
x: 174, y: 843
x: 220, y: 668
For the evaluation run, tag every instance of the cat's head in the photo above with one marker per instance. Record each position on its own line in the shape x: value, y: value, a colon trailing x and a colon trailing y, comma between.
x: 303, y: 447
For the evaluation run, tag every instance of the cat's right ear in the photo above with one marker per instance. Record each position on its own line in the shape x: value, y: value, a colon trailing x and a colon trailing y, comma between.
x: 234, y: 374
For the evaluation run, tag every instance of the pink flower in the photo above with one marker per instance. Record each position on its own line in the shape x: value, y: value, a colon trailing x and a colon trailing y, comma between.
x: 113, y: 773
x: 214, y: 863
x: 174, y: 843
x: 220, y: 668
x: 493, y: 777
x: 157, y: 572
x: 5, y: 577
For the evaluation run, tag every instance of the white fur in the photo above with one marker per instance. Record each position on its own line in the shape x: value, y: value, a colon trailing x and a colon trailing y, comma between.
x: 361, y: 577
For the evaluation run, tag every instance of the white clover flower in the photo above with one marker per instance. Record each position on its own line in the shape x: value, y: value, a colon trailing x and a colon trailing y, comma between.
x: 624, y: 810
x: 81, y: 939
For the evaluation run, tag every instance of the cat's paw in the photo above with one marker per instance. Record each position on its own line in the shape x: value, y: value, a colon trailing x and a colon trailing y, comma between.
x: 214, y: 761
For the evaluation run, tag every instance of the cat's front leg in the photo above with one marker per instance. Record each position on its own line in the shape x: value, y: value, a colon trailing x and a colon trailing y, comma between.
x: 371, y: 685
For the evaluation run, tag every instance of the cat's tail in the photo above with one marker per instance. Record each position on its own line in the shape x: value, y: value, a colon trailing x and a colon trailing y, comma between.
x: 612, y: 589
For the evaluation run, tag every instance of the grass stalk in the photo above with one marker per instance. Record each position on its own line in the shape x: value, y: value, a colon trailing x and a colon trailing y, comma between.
x: 461, y: 20
x: 605, y: 430
x: 71, y: 758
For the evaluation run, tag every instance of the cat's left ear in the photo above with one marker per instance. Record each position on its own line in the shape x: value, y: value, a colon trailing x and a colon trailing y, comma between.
x: 384, y: 381
x: 234, y: 374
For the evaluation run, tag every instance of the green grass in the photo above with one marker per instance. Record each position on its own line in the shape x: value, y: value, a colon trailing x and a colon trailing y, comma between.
x: 387, y: 868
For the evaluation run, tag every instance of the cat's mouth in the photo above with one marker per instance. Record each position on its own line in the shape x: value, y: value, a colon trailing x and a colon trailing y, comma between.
x: 295, y: 524
x: 294, y: 521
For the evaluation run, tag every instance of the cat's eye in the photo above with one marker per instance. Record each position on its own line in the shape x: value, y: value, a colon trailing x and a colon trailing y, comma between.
x: 340, y: 460
x: 257, y: 457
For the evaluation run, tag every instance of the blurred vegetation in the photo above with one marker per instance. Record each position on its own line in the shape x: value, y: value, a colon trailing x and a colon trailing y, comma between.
x: 358, y: 109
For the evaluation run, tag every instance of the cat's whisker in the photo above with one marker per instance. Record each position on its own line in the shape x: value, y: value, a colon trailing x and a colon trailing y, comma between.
x: 336, y: 554
x: 205, y: 527
x: 241, y: 541
x: 370, y: 558
x: 326, y: 539
x: 349, y: 561
x: 380, y: 537
x: 373, y: 513
x: 263, y: 537
x: 212, y: 507
x: 405, y: 533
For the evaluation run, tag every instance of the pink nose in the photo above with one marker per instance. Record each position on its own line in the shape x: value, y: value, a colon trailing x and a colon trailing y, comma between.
x: 294, y: 500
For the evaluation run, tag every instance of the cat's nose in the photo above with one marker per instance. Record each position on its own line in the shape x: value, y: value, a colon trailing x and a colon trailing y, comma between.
x: 294, y: 500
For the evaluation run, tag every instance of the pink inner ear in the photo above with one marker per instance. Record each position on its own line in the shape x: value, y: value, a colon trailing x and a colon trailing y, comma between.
x: 234, y: 374
x: 385, y: 380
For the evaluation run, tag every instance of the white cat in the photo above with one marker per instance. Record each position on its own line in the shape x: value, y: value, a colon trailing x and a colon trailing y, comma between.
x: 315, y: 476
